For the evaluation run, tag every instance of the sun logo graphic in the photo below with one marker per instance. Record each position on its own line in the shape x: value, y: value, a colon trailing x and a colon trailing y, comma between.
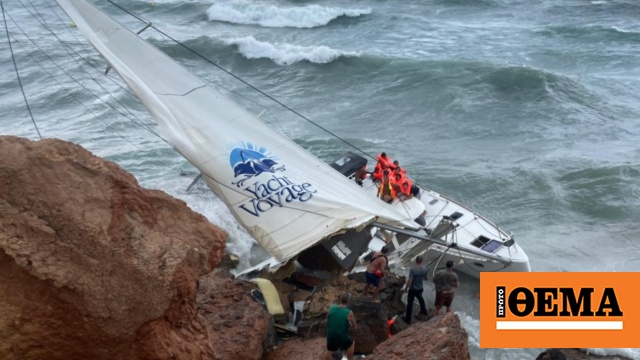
x: 266, y: 192
x: 250, y: 161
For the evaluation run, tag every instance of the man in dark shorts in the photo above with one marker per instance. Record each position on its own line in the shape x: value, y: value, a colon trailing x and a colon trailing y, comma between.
x: 414, y: 289
x: 375, y: 272
x: 446, y: 281
x: 339, y: 319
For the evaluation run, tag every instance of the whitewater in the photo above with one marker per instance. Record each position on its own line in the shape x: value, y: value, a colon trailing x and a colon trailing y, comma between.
x: 525, y: 111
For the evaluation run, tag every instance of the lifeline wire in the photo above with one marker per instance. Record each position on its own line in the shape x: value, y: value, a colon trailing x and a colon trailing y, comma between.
x: 15, y: 66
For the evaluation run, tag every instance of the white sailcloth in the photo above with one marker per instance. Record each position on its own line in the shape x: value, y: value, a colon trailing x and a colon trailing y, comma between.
x: 285, y: 197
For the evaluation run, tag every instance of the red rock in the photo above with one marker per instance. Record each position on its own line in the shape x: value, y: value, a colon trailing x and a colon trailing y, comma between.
x: 239, y: 327
x: 440, y: 338
x: 299, y: 349
x: 92, y: 266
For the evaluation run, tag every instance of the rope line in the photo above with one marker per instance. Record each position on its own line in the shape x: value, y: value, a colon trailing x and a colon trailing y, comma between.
x: 15, y: 66
x: 246, y: 83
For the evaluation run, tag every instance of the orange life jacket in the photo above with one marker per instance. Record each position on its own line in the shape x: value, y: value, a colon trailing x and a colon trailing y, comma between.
x: 390, y: 323
x: 378, y: 171
x: 405, y: 185
x: 386, y: 160
x: 394, y: 179
x: 402, y: 171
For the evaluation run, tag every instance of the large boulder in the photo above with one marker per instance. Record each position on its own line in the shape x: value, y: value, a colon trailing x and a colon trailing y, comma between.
x: 440, y: 338
x: 240, y: 328
x: 92, y: 266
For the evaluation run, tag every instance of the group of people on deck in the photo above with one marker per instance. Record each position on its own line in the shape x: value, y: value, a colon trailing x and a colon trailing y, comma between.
x: 392, y: 179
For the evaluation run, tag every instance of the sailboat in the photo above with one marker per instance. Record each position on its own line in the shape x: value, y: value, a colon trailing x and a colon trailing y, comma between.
x: 306, y: 213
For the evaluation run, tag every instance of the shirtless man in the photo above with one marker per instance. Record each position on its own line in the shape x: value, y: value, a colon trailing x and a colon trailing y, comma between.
x: 375, y: 272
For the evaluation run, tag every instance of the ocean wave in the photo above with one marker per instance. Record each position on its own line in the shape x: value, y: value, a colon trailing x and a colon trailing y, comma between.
x: 593, y: 33
x: 481, y: 3
x: 521, y: 79
x: 286, y: 54
x: 631, y: 353
x: 272, y: 16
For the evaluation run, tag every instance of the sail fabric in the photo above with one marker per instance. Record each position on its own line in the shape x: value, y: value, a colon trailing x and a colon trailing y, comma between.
x: 286, y: 198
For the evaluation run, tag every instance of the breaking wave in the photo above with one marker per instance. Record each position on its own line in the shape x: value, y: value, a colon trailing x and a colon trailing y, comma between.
x: 286, y: 54
x: 273, y: 16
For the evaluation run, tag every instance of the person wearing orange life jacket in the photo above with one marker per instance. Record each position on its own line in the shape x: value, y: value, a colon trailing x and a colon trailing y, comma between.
x: 390, y: 322
x: 381, y: 166
x: 408, y: 188
x: 383, y: 158
x: 397, y: 168
x: 376, y: 175
x: 406, y: 185
x: 386, y: 191
x: 396, y: 165
x: 384, y: 162
x: 396, y: 181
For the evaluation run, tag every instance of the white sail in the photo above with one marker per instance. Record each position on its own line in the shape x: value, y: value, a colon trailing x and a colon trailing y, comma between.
x: 285, y: 197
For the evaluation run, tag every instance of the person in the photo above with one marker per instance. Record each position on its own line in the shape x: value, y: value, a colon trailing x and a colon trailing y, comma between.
x: 414, y: 289
x: 397, y: 169
x: 339, y: 320
x: 446, y: 281
x: 406, y: 187
x: 386, y: 191
x: 376, y: 175
x: 397, y: 180
x: 384, y: 163
x: 390, y: 321
x: 375, y: 272
x: 361, y: 174
x: 383, y: 158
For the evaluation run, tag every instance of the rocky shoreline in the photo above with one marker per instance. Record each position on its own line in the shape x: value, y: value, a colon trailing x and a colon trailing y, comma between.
x: 92, y: 266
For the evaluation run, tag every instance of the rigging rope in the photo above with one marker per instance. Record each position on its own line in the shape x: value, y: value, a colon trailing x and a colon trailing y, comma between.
x: 67, y: 48
x: 244, y: 82
x: 15, y: 66
x: 70, y: 50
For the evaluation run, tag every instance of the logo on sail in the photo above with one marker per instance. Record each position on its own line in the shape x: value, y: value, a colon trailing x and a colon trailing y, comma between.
x: 249, y: 163
x: 267, y: 192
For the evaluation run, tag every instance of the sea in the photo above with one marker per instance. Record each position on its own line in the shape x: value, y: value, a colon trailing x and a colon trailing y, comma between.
x: 526, y: 111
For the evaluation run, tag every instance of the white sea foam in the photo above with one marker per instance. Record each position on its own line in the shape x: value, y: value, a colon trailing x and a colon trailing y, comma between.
x: 630, y: 353
x: 622, y: 30
x: 286, y: 54
x: 471, y: 326
x: 273, y: 16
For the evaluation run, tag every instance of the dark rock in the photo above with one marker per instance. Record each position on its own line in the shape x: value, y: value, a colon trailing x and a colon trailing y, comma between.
x: 573, y: 354
x: 551, y: 354
x: 372, y: 328
x: 229, y: 261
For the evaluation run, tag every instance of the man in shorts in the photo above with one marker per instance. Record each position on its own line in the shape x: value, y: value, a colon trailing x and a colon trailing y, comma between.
x: 339, y: 319
x: 375, y: 272
x: 446, y: 281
